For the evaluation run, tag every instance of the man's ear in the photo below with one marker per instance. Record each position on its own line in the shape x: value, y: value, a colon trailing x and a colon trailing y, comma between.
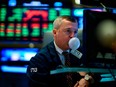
x: 54, y: 31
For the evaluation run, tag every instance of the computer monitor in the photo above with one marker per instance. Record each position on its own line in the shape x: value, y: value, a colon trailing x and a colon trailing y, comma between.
x: 18, y: 54
x: 99, y: 38
x: 15, y: 60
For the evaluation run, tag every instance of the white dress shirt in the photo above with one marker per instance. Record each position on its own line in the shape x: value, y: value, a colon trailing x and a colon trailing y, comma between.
x: 59, y: 51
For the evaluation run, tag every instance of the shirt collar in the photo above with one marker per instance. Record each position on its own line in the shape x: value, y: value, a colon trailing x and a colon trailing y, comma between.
x: 59, y: 50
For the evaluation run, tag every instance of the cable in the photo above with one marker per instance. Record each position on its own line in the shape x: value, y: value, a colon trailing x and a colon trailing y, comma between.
x: 105, y: 8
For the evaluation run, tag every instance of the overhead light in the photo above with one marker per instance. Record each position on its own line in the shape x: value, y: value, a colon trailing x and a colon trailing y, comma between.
x: 77, y: 1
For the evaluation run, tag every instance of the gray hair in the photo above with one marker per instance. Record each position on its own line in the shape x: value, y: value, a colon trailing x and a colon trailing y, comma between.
x: 58, y: 21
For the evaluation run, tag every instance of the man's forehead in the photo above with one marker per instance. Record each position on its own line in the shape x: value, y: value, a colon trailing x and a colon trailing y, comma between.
x: 72, y: 26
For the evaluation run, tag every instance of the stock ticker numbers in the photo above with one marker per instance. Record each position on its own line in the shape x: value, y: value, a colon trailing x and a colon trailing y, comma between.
x: 25, y: 24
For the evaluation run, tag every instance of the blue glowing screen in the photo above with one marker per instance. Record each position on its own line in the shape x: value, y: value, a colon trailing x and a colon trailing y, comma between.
x: 18, y: 54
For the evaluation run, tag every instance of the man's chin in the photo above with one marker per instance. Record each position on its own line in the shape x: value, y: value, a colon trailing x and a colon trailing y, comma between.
x: 67, y: 48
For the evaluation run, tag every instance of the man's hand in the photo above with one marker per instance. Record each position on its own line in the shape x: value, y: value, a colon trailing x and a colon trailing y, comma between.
x: 89, y: 76
x: 82, y: 83
x: 82, y: 73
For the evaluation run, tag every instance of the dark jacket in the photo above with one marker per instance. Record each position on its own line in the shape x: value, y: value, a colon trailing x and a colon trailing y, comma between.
x: 43, y: 62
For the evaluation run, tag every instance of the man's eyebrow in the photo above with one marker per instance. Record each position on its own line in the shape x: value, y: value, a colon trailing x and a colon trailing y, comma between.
x: 75, y: 29
x: 68, y: 28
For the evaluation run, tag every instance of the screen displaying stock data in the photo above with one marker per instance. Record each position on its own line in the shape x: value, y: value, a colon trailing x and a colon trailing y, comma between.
x: 29, y: 23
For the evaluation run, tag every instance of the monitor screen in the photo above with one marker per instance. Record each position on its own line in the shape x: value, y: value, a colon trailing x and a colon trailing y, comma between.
x: 28, y: 24
x: 18, y: 54
x: 99, y: 38
x: 15, y: 60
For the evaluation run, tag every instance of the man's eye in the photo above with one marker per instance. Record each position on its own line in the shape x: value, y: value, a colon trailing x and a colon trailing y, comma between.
x: 68, y: 31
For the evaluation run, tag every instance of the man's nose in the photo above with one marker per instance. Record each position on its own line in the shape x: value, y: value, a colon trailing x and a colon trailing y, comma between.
x: 72, y: 34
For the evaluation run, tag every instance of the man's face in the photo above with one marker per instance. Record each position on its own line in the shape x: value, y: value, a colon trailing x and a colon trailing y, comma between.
x: 66, y: 31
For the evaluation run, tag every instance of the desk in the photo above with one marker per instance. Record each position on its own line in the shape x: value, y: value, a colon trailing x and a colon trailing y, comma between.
x: 105, y: 73
x: 78, y: 69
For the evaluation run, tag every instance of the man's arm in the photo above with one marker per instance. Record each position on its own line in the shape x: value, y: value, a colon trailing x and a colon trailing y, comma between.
x: 88, y: 80
x: 37, y: 72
